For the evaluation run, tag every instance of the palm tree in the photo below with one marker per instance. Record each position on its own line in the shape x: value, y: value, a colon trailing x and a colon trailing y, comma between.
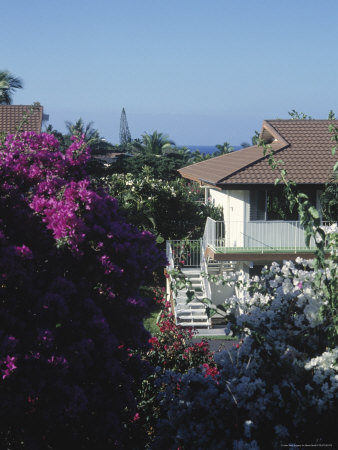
x: 223, y: 149
x: 79, y: 128
x: 154, y: 144
x: 8, y: 84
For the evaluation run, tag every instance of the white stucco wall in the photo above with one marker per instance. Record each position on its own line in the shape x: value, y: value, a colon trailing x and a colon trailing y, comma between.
x: 218, y: 198
x: 235, y: 211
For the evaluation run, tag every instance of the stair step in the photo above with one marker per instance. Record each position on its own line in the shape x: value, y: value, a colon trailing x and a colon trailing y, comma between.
x: 192, y: 314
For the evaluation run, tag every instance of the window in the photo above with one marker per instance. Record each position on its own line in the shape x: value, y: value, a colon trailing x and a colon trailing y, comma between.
x: 258, y: 204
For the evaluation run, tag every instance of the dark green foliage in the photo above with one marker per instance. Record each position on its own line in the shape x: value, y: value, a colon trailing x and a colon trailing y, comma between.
x: 329, y: 200
x: 169, y: 209
x: 79, y: 128
x: 163, y: 168
x: 299, y: 116
x: 154, y: 144
x: 279, y: 206
x: 255, y: 138
x: 223, y: 149
x: 245, y: 144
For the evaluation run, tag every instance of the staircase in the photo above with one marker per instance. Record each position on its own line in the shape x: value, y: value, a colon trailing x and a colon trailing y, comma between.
x: 192, y: 314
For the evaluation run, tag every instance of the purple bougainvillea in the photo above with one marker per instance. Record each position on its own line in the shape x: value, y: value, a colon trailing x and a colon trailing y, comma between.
x: 70, y: 272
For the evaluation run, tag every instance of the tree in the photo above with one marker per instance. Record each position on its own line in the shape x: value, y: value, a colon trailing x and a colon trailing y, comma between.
x: 125, y: 136
x: 154, y: 144
x: 299, y: 116
x: 223, y: 149
x: 8, y: 85
x: 168, y: 209
x: 255, y: 138
x: 329, y: 199
x: 79, y: 128
x: 164, y: 168
x: 245, y: 144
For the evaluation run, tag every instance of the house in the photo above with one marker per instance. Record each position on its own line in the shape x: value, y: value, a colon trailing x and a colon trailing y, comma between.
x: 110, y: 158
x: 22, y: 118
x: 257, y: 227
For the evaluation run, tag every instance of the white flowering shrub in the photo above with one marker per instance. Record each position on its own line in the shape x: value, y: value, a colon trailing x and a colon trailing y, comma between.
x: 279, y: 385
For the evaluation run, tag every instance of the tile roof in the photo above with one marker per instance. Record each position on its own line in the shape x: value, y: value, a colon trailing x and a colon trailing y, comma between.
x: 304, y: 146
x: 11, y: 117
x: 109, y: 157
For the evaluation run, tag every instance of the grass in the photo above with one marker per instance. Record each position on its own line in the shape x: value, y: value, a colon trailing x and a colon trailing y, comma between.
x: 150, y: 322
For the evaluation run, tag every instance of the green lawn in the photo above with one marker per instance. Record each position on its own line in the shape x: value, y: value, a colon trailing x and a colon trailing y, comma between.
x: 150, y: 322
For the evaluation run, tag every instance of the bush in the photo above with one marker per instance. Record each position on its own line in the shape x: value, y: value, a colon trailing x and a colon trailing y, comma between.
x: 70, y: 275
x: 281, y: 384
x: 172, y: 351
x: 169, y: 209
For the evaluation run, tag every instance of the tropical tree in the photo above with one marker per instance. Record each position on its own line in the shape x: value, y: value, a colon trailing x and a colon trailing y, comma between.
x: 245, y: 144
x: 223, y: 149
x: 79, y: 128
x: 8, y: 84
x: 154, y: 144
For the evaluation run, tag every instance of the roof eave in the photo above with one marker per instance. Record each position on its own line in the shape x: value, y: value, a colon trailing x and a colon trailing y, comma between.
x: 273, y: 132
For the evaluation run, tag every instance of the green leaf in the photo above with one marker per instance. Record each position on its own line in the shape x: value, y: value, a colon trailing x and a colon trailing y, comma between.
x: 307, y: 240
x: 333, y: 150
x: 210, y: 312
x: 58, y: 325
x: 190, y: 296
x: 314, y: 213
x: 335, y: 167
x: 277, y: 180
x: 180, y: 284
x: 304, y: 196
x: 222, y: 308
x: 321, y: 233
x: 159, y: 239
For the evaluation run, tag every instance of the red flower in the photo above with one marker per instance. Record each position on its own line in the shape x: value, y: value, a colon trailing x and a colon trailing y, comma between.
x: 136, y: 417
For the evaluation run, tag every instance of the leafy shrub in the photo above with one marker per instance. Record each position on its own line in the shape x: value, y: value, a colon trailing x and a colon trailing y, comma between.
x: 169, y: 209
x: 281, y: 384
x: 172, y: 351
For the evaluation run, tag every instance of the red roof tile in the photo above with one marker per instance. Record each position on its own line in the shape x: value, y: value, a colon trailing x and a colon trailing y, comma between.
x: 11, y: 118
x: 304, y: 146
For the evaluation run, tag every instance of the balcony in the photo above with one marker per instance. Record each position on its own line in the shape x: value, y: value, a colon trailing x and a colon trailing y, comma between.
x: 256, y: 240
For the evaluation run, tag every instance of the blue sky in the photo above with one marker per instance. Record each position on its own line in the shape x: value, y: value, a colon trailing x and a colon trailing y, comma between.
x: 201, y: 72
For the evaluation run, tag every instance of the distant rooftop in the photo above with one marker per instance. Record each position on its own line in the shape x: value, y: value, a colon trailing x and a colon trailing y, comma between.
x: 11, y: 117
